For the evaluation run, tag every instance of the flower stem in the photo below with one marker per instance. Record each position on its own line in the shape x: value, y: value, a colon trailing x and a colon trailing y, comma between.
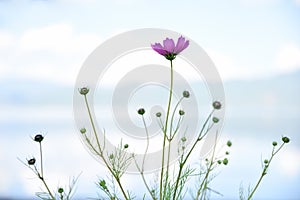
x: 100, y: 149
x: 165, y: 137
x: 45, y: 184
x: 41, y: 175
x: 264, y: 172
x: 209, y: 169
x: 182, y: 163
x: 141, y: 170
x: 41, y: 155
x: 92, y: 122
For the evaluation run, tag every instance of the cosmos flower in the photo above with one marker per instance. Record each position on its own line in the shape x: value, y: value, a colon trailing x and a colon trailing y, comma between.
x: 169, y: 50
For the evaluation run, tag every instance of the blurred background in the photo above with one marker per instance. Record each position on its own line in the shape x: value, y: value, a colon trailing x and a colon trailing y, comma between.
x: 255, y: 45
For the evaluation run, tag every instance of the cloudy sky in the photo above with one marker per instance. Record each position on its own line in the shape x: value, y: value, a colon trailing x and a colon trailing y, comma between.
x: 44, y: 43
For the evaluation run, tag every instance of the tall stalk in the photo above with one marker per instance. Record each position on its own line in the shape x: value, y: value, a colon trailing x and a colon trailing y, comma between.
x: 165, y: 138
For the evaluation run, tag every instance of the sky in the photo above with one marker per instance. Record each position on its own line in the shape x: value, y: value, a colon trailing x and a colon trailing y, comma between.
x: 43, y: 45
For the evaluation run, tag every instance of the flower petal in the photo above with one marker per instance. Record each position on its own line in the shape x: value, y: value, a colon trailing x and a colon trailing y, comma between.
x: 159, y: 49
x: 181, y: 45
x: 169, y: 45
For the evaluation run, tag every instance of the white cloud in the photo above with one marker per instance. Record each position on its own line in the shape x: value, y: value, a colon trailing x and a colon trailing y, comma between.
x: 49, y: 53
x: 288, y: 58
x: 6, y: 39
x: 58, y: 38
x: 290, y: 162
x: 258, y: 2
x: 229, y: 68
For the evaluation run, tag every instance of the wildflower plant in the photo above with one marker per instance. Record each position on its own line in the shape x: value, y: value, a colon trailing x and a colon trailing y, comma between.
x: 174, y: 180
x: 38, y: 170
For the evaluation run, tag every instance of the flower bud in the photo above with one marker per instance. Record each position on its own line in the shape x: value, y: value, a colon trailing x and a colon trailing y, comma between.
x: 60, y: 190
x: 219, y: 162
x: 38, y: 138
x: 111, y: 156
x: 274, y: 143
x: 31, y: 161
x: 266, y: 161
x: 158, y: 114
x: 181, y: 112
x: 183, y: 139
x: 102, y: 183
x: 285, y: 139
x: 126, y: 146
x: 186, y: 94
x: 83, y: 130
x: 229, y: 143
x: 141, y: 111
x: 217, y: 105
x: 84, y: 90
x: 227, y: 152
x: 215, y: 119
x: 225, y: 161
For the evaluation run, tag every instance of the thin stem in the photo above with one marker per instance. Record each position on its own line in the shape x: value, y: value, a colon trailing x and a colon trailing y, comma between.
x: 147, y: 146
x: 165, y: 137
x: 101, y: 152
x: 200, y: 136
x: 143, y: 162
x: 92, y: 123
x: 45, y: 184
x: 41, y: 176
x: 172, y: 118
x: 264, y: 172
x: 209, y: 169
x: 41, y: 155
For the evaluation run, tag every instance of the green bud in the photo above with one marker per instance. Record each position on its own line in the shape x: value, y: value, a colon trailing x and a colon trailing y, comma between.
x: 227, y: 152
x: 215, y: 119
x: 83, y: 130
x: 102, y: 183
x: 285, y: 139
x: 217, y: 105
x: 266, y: 161
x: 31, y: 161
x: 219, y: 162
x: 84, y: 91
x: 158, y: 114
x: 181, y: 112
x: 186, y: 94
x: 38, y: 138
x: 183, y: 139
x: 274, y: 143
x: 229, y: 143
x: 126, y: 146
x: 225, y: 161
x: 60, y: 190
x: 141, y: 111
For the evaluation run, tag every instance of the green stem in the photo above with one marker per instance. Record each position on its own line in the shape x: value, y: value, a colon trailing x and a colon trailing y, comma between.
x: 165, y: 137
x: 92, y: 122
x: 264, y: 172
x: 41, y: 155
x: 200, y: 136
x: 41, y: 176
x: 143, y: 163
x: 100, y: 149
x: 147, y: 146
x: 45, y: 184
x: 209, y: 169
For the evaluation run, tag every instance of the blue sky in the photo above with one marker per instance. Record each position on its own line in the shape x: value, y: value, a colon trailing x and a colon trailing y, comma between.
x: 44, y: 43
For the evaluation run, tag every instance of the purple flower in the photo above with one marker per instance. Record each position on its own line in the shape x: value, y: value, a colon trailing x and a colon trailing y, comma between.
x: 169, y: 50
